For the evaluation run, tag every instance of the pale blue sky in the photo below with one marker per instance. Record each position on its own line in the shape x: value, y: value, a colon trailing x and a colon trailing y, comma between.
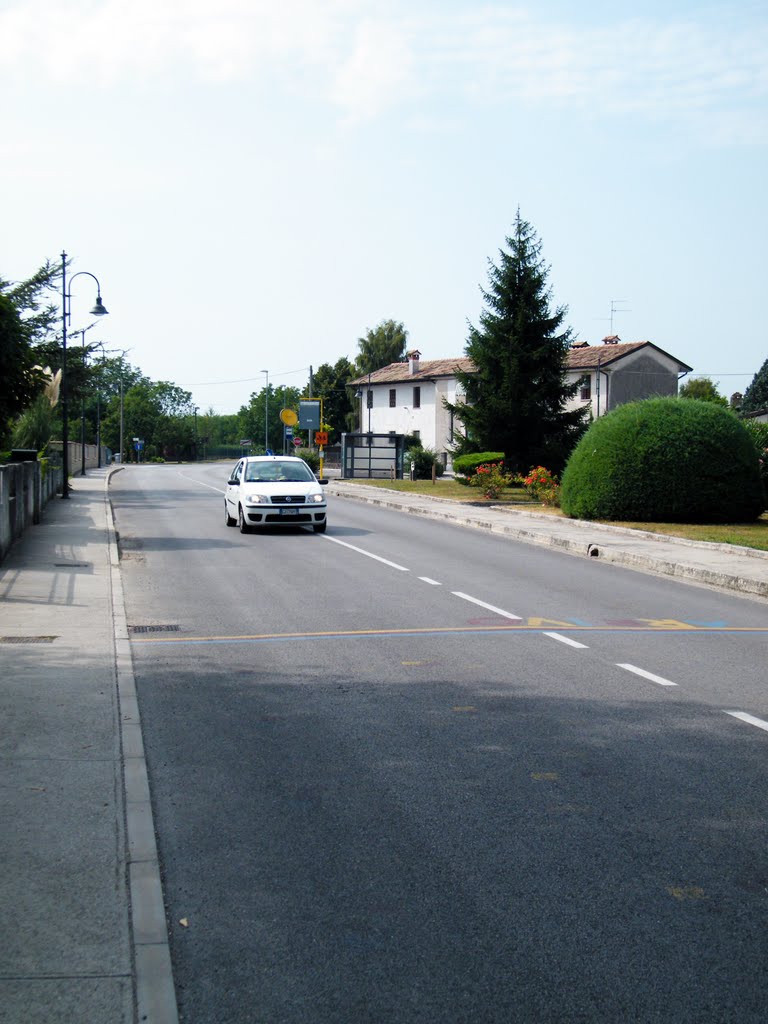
x: 257, y: 184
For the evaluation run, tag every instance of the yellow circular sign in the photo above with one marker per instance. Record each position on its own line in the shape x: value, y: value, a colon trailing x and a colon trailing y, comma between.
x: 289, y: 417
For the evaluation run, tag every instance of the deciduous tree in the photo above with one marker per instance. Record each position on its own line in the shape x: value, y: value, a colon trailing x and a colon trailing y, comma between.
x: 329, y: 383
x: 704, y: 389
x: 381, y: 346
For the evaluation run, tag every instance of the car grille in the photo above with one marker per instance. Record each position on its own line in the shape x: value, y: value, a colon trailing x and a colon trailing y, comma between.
x: 288, y: 499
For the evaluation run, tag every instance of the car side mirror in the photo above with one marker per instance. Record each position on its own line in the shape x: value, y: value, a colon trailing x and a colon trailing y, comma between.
x: 323, y: 482
x: 232, y: 480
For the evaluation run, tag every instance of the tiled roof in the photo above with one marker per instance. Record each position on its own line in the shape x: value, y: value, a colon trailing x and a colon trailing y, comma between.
x: 585, y: 358
x: 396, y: 373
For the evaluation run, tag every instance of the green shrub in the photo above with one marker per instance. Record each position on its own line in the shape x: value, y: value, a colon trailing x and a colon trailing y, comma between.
x: 759, y: 434
x: 423, y: 459
x: 467, y: 465
x: 665, y: 460
x: 311, y: 457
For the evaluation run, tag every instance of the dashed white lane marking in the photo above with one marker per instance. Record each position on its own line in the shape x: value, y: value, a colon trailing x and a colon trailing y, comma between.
x: 647, y: 675
x: 368, y: 554
x: 488, y: 607
x: 567, y: 640
x: 749, y: 719
x: 432, y: 583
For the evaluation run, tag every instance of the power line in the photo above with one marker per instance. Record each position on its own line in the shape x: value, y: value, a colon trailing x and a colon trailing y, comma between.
x: 244, y: 380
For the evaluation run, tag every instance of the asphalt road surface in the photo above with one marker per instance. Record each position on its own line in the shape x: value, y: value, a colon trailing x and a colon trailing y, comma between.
x: 406, y: 772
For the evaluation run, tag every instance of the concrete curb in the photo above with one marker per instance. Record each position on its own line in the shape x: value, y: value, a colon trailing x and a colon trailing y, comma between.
x: 155, y: 992
x: 593, y: 540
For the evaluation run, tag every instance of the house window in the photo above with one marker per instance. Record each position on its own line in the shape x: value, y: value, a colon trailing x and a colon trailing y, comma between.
x: 417, y: 398
x: 586, y: 389
x: 392, y: 398
x: 417, y: 434
x: 370, y: 399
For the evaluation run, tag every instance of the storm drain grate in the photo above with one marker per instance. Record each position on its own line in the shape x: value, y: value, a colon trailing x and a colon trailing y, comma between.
x: 71, y: 565
x: 27, y: 639
x: 154, y: 629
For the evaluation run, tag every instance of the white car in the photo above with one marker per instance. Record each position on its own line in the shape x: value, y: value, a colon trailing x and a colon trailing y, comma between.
x: 274, y: 490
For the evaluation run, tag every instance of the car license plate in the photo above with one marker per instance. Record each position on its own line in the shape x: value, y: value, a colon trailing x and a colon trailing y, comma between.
x: 289, y: 511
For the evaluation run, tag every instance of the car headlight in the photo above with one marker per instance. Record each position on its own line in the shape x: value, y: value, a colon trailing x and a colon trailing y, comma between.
x: 257, y: 499
x: 316, y: 499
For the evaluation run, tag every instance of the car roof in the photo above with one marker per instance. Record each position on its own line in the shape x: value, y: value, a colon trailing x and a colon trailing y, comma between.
x: 273, y: 458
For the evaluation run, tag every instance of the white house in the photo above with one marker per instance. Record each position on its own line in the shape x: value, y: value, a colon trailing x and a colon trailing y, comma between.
x: 407, y: 398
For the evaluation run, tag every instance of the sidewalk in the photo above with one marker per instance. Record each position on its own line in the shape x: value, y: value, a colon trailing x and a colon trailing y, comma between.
x: 723, y: 566
x: 81, y: 911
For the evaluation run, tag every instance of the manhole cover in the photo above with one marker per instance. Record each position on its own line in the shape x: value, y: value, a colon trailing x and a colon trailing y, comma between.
x: 154, y: 629
x: 27, y: 639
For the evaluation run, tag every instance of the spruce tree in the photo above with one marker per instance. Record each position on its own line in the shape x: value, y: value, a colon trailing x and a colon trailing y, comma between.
x: 515, y: 400
x: 756, y: 395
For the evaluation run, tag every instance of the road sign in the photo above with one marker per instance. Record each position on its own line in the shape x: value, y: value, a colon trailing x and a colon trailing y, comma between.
x: 289, y: 417
x: 321, y: 437
x: 297, y: 442
x: 309, y: 413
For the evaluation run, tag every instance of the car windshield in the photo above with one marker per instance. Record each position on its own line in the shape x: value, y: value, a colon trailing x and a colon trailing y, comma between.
x: 276, y: 472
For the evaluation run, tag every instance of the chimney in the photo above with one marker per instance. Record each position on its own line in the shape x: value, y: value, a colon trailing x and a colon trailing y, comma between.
x: 413, y: 360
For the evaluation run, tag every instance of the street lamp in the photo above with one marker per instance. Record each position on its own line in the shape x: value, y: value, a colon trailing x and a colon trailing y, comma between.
x: 266, y: 413
x: 82, y: 400
x: 66, y: 303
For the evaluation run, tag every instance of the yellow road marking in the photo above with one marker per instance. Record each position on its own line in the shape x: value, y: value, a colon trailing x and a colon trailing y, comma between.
x: 426, y: 630
x: 686, y: 892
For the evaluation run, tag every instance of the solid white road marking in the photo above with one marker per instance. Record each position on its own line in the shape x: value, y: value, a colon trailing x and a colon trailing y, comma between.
x: 566, y: 640
x: 750, y: 719
x: 647, y: 675
x: 489, y: 607
x: 432, y: 583
x: 368, y: 554
x: 194, y: 481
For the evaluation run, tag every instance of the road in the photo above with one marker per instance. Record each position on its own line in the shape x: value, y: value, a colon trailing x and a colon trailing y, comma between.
x: 407, y: 772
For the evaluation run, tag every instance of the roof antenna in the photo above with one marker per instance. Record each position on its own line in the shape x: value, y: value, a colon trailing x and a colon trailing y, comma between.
x: 614, y: 311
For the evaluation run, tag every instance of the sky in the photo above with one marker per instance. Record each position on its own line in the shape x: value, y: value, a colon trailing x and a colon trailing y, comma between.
x: 256, y: 183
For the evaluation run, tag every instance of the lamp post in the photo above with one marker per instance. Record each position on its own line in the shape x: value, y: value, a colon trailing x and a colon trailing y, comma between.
x: 82, y: 400
x: 98, y: 310
x: 99, y: 344
x: 266, y: 413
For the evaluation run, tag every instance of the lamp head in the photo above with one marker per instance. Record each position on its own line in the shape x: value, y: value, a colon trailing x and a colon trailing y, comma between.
x: 99, y: 309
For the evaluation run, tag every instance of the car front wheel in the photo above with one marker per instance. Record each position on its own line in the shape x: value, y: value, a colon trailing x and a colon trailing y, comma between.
x: 320, y: 527
x: 242, y: 525
x: 227, y: 517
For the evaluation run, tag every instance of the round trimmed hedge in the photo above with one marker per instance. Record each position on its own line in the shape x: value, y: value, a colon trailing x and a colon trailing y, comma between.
x: 665, y: 460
